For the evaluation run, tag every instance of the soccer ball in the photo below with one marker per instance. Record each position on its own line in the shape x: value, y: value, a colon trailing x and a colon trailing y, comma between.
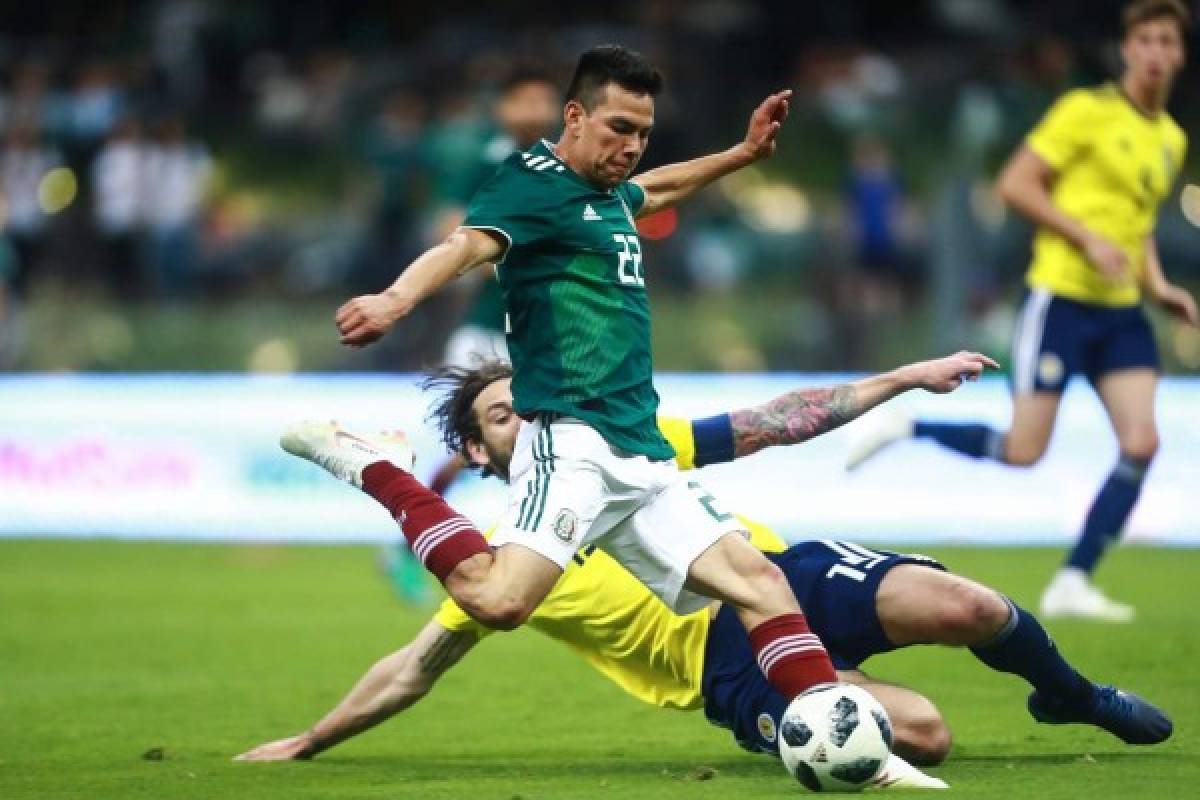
x: 835, y: 738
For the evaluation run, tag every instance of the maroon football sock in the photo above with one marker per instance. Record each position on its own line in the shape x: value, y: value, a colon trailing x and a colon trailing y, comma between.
x: 437, y: 534
x: 790, y: 655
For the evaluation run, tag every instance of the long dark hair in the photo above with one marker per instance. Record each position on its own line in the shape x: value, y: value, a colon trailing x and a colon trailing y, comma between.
x: 453, y: 410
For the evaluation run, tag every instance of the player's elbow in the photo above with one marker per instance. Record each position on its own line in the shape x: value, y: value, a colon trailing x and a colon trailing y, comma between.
x: 408, y: 686
x: 460, y: 248
x: 1006, y: 187
x: 471, y: 246
x: 1019, y: 179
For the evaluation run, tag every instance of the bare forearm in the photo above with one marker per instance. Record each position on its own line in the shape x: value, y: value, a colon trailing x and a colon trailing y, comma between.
x: 365, y: 319
x: 671, y: 184
x: 1153, y: 280
x: 807, y: 413
x: 390, y: 686
x: 393, y: 684
x: 432, y: 270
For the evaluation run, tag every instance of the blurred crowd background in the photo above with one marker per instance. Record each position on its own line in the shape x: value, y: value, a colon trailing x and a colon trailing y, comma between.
x: 191, y: 185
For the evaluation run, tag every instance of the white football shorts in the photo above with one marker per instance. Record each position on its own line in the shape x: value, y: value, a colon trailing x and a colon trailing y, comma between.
x: 570, y: 488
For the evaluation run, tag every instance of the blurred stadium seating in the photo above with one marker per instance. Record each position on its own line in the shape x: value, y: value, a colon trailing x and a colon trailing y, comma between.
x: 194, y: 186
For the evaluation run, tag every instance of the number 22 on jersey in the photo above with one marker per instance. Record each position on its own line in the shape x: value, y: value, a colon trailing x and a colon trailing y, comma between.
x: 629, y: 264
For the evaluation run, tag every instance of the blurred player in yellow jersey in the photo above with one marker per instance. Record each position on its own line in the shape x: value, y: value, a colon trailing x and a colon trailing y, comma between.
x: 1091, y: 176
x: 860, y: 602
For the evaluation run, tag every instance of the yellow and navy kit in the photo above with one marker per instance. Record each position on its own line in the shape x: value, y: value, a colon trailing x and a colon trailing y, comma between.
x: 1114, y: 166
x: 616, y: 624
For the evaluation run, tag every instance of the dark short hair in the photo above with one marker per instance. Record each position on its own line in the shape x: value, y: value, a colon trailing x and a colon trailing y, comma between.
x: 523, y: 74
x: 453, y: 410
x: 1140, y: 11
x: 611, y: 63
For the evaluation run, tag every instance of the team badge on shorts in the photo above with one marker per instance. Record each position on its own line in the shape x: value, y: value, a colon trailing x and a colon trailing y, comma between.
x: 565, y: 525
x: 1050, y: 369
x: 766, y: 726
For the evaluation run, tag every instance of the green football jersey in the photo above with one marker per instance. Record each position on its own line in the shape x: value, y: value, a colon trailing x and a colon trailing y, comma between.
x: 487, y: 308
x: 579, y: 318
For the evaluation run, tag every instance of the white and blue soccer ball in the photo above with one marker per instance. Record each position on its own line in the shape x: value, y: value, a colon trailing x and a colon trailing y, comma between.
x: 835, y: 738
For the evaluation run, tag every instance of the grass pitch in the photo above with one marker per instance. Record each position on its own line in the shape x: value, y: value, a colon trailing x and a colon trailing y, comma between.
x: 136, y: 670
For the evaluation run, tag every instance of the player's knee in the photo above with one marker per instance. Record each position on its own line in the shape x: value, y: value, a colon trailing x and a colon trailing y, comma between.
x: 926, y: 742
x: 1023, y: 454
x: 970, y: 613
x: 507, y: 619
x: 920, y: 735
x: 1140, y: 444
x: 498, y: 610
x: 773, y: 592
x: 501, y: 615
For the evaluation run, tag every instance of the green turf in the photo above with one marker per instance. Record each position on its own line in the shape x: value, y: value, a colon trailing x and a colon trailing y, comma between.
x: 109, y: 650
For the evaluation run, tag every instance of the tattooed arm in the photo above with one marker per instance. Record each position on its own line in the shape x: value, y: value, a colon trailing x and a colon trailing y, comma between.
x: 806, y: 413
x: 393, y: 684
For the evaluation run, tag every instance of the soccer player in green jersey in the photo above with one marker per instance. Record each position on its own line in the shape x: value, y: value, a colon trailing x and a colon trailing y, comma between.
x: 590, y: 466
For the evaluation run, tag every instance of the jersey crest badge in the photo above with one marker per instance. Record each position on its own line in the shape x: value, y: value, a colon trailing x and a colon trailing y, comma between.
x: 565, y: 525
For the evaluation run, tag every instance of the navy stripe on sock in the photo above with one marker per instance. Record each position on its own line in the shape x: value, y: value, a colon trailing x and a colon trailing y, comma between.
x: 1023, y: 647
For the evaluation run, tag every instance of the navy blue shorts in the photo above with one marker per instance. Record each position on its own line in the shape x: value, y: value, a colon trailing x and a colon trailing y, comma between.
x: 835, y: 583
x: 1056, y: 338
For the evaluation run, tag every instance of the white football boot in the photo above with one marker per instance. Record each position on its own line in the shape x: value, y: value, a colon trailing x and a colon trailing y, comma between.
x: 889, y: 425
x: 899, y: 774
x: 1071, y: 595
x: 343, y: 454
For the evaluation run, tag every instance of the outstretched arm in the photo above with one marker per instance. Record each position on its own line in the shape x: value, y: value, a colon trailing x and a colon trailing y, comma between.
x: 806, y: 413
x: 671, y: 184
x: 393, y: 684
x: 367, y: 318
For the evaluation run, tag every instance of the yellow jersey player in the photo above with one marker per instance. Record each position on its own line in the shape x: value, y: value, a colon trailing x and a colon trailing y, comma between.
x: 1091, y: 176
x: 860, y: 602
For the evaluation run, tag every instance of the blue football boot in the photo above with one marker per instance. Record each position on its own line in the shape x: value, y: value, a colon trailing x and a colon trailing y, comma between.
x: 1123, y: 714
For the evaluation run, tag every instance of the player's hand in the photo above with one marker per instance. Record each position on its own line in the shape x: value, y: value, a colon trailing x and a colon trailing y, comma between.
x: 367, y: 318
x: 1106, y: 257
x: 1179, y: 303
x: 947, y: 374
x: 765, y: 123
x: 293, y: 748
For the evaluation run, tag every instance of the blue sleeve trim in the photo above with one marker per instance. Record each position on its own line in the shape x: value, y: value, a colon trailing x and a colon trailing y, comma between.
x: 714, y: 440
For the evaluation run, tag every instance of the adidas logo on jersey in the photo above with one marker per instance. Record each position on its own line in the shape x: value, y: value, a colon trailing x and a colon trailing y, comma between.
x: 589, y: 214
